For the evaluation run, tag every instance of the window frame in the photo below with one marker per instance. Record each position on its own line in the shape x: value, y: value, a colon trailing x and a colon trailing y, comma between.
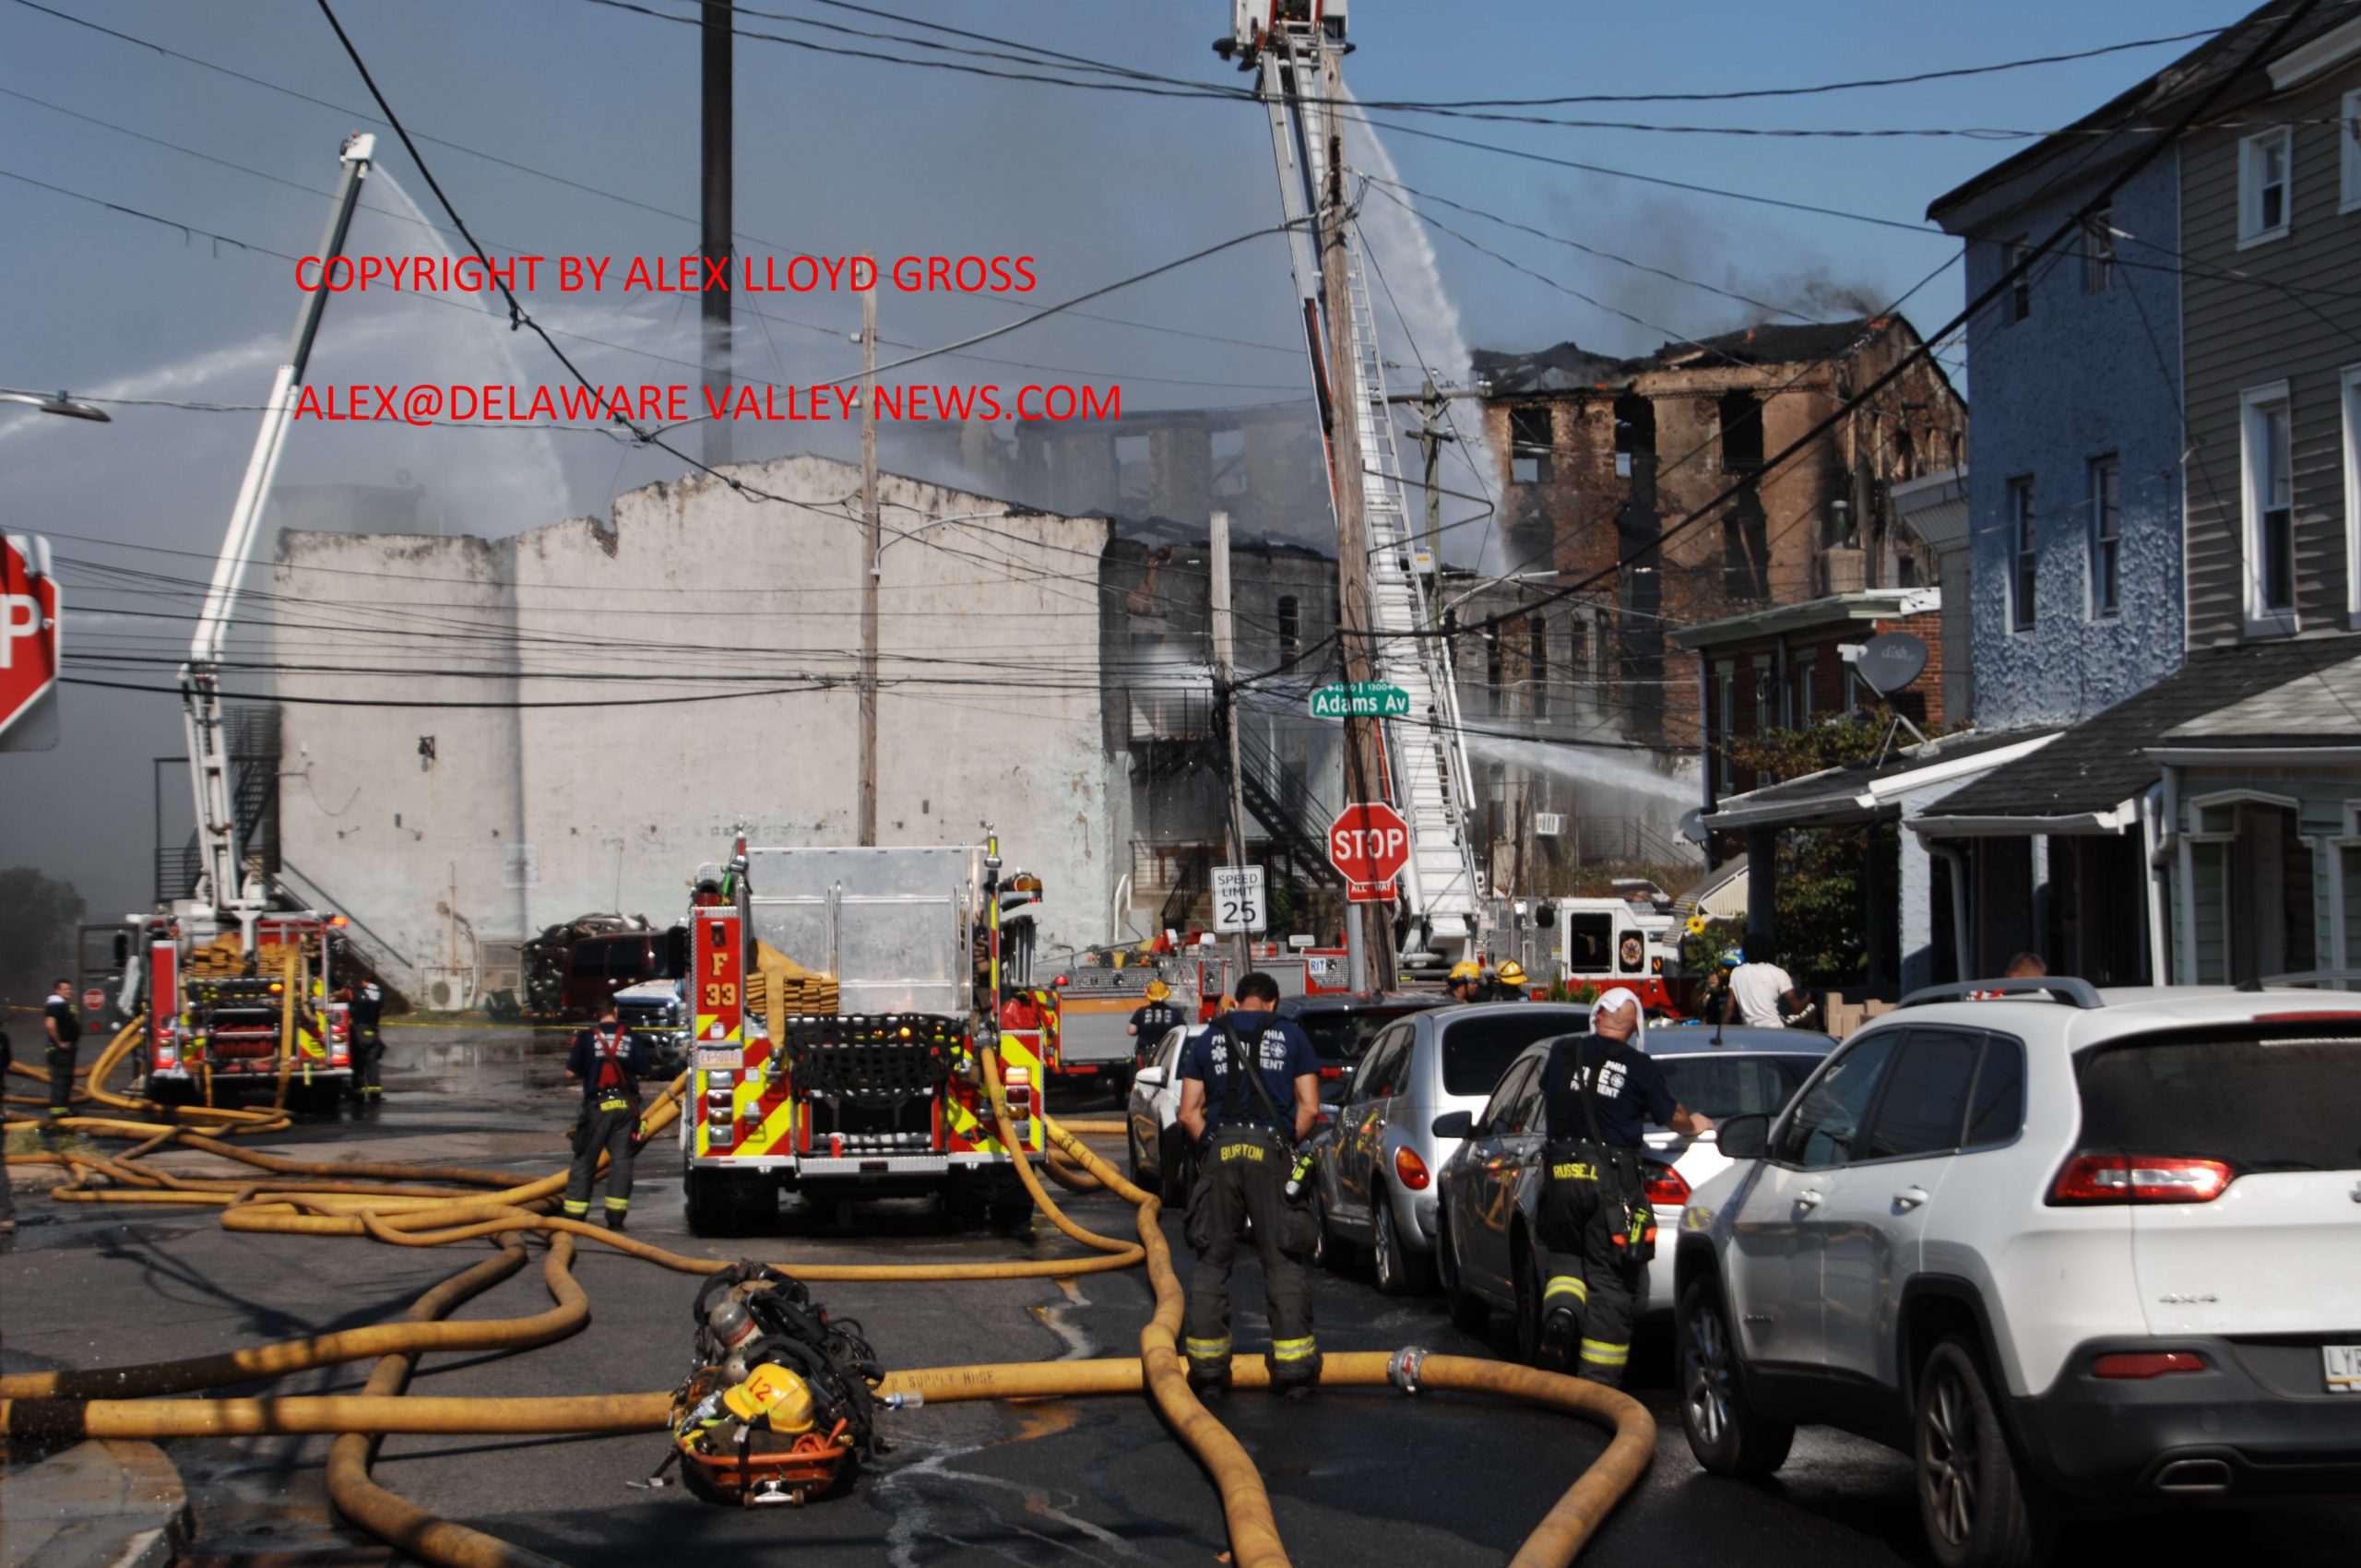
x: 1504, y: 1097
x: 2104, y: 564
x: 2256, y: 404
x: 1775, y: 1149
x: 2348, y: 154
x: 2013, y: 253
x: 1993, y: 1045
x: 1525, y: 449
x: 2024, y: 553
x: 2098, y: 251
x: 1874, y: 1122
x: 2252, y: 231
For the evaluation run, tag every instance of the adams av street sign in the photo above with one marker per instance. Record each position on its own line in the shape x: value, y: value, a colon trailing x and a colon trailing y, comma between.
x: 1360, y: 699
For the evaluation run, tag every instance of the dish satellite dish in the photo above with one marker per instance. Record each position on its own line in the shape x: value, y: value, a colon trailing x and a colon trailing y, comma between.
x: 1889, y: 662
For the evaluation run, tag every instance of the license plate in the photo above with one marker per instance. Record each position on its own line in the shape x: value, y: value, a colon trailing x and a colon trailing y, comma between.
x: 2340, y: 1364
x: 718, y: 1056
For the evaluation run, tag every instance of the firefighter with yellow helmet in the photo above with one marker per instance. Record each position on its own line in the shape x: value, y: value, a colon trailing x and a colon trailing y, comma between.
x: 1151, y: 1021
x: 1466, y: 983
x: 1510, y: 984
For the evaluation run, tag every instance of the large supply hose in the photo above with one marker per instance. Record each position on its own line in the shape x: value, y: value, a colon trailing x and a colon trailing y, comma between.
x: 416, y: 1206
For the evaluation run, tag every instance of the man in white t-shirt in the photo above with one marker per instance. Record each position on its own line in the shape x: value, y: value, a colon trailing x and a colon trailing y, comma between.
x: 1763, y: 996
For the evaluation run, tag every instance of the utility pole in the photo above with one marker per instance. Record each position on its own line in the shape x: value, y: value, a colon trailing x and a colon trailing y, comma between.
x: 1225, y: 693
x: 867, y: 812
x: 1364, y: 766
x: 714, y: 244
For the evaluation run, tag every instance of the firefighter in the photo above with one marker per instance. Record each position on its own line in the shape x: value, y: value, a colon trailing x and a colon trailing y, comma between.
x: 62, y: 1022
x: 1466, y: 982
x: 1150, y: 1023
x: 1249, y: 1092
x: 364, y: 1010
x: 1509, y: 982
x: 1597, y: 1229
x: 608, y: 1061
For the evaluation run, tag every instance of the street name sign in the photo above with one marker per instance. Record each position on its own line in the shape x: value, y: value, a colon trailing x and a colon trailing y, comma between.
x: 28, y: 617
x: 1238, y: 901
x: 1360, y: 699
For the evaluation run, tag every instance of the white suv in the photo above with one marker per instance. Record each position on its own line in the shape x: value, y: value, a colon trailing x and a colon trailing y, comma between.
x: 2057, y: 1245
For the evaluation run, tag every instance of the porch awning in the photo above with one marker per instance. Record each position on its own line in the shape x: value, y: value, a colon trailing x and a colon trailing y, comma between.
x: 1859, y: 792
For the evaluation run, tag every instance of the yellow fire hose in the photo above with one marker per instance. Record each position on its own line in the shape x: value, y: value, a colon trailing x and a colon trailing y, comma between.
x: 55, y: 1407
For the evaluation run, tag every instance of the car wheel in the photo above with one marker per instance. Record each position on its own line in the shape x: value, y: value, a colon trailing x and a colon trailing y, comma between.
x: 1470, y: 1313
x: 1725, y: 1433
x: 1400, y: 1272
x: 1978, y: 1509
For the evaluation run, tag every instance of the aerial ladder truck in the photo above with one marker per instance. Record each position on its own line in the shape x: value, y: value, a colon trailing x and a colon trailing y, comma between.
x: 237, y: 988
x: 1296, y: 49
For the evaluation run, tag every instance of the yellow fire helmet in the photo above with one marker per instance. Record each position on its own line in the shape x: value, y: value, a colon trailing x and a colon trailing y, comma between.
x: 1512, y: 973
x: 1466, y: 970
x: 775, y: 1390
x: 1157, y: 990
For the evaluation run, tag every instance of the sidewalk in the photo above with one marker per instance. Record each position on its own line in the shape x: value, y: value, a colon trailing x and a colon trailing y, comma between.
x: 98, y: 1504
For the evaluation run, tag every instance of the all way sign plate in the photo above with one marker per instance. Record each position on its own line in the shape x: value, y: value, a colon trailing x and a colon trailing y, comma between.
x: 1239, y: 903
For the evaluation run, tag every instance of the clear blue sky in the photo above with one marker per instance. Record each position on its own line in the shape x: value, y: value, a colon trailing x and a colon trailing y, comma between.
x: 837, y: 154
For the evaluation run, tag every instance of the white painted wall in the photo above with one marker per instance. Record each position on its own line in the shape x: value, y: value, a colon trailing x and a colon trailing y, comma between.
x: 621, y: 803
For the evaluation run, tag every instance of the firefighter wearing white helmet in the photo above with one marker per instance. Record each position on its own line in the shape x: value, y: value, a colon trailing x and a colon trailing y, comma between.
x: 1597, y: 1229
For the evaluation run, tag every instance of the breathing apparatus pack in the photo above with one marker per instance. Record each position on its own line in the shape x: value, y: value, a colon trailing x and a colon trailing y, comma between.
x: 781, y: 1403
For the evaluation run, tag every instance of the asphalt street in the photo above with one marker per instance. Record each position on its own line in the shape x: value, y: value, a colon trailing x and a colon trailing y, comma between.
x: 1353, y: 1477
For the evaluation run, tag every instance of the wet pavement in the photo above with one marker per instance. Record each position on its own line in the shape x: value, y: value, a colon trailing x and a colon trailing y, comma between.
x: 1353, y: 1475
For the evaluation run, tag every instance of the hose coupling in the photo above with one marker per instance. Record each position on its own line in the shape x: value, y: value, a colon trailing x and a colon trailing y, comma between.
x: 1402, y: 1369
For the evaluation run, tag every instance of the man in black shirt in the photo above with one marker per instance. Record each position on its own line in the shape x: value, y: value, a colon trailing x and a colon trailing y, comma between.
x: 1150, y: 1023
x: 1597, y: 1230
x: 608, y: 1061
x: 64, y: 1026
x: 365, y: 1011
x: 1249, y: 1092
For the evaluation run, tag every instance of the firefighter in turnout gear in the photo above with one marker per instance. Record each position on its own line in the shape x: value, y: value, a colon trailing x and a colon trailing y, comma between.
x: 1150, y: 1023
x: 1597, y: 1228
x: 365, y: 1011
x: 1466, y: 983
x: 608, y: 1061
x: 1249, y: 1092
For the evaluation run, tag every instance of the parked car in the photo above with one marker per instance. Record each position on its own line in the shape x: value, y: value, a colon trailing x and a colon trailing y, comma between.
x: 1159, y: 1149
x: 2062, y: 1246
x: 1491, y: 1189
x: 1340, y: 1025
x: 1376, y: 1175
x: 598, y: 966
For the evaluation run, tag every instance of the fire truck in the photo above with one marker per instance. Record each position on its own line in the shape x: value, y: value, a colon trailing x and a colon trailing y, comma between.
x: 863, y: 1079
x: 1584, y: 942
x: 224, y: 1020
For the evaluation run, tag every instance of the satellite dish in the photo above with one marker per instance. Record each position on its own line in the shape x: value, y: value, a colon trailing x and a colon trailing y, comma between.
x: 1890, y: 661
x: 1692, y: 824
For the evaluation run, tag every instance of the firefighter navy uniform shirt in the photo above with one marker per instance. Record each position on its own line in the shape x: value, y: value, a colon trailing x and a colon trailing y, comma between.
x: 1282, y: 1054
x: 1631, y: 1092
x: 1151, y: 1023
x: 609, y: 1065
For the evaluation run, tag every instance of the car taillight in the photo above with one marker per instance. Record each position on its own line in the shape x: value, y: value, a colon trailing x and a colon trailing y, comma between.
x: 2140, y: 1179
x: 2147, y: 1363
x: 1667, y: 1188
x: 1410, y: 1169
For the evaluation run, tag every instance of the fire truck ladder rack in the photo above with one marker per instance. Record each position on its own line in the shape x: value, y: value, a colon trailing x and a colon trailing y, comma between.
x: 1424, y: 752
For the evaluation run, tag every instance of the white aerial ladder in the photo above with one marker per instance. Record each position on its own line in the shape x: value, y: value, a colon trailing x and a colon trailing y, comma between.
x: 227, y: 891
x: 1287, y: 44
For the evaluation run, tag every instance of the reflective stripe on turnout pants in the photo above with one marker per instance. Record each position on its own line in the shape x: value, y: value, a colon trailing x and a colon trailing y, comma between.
x: 612, y: 1124
x: 1582, y: 1268
x: 1242, y: 1175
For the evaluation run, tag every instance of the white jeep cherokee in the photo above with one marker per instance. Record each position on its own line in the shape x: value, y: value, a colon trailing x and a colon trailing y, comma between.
x: 2057, y: 1245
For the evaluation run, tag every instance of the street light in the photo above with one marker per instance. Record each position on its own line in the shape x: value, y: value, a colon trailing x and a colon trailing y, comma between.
x: 61, y: 404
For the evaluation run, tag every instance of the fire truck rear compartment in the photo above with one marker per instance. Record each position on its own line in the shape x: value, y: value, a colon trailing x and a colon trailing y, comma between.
x: 870, y: 1080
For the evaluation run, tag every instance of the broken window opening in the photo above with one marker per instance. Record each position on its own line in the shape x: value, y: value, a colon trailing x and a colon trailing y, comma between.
x: 1290, y: 627
x: 1538, y: 635
x: 1530, y: 444
x: 1742, y: 421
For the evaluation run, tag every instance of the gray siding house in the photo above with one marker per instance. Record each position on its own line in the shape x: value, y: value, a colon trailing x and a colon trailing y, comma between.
x: 2217, y: 787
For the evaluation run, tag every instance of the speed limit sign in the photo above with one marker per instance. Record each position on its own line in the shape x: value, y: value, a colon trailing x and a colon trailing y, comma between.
x: 1239, y: 903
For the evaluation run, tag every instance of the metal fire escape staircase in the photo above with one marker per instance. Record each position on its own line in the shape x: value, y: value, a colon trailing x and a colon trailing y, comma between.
x: 1425, y: 756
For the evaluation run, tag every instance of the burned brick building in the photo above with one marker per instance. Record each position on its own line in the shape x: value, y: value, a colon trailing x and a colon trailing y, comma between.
x: 1608, y: 460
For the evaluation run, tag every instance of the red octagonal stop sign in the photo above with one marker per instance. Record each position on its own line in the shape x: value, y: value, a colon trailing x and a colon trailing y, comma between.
x: 1369, y: 842
x: 28, y: 646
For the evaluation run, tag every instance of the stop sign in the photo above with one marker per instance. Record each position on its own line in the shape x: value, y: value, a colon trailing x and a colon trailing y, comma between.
x: 28, y: 646
x: 1369, y: 842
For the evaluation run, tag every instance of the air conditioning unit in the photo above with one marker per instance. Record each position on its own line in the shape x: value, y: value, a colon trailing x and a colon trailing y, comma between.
x: 1548, y: 824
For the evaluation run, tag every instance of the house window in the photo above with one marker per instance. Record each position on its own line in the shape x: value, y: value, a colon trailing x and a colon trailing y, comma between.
x: 1800, y: 689
x: 2106, y: 535
x: 2098, y: 250
x: 2023, y: 554
x: 1290, y: 627
x: 2021, y: 291
x: 2353, y: 490
x: 1725, y: 715
x: 2264, y: 197
x: 1742, y: 431
x: 1538, y: 643
x: 2268, y: 441
x: 2348, y: 153
x: 1530, y: 442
